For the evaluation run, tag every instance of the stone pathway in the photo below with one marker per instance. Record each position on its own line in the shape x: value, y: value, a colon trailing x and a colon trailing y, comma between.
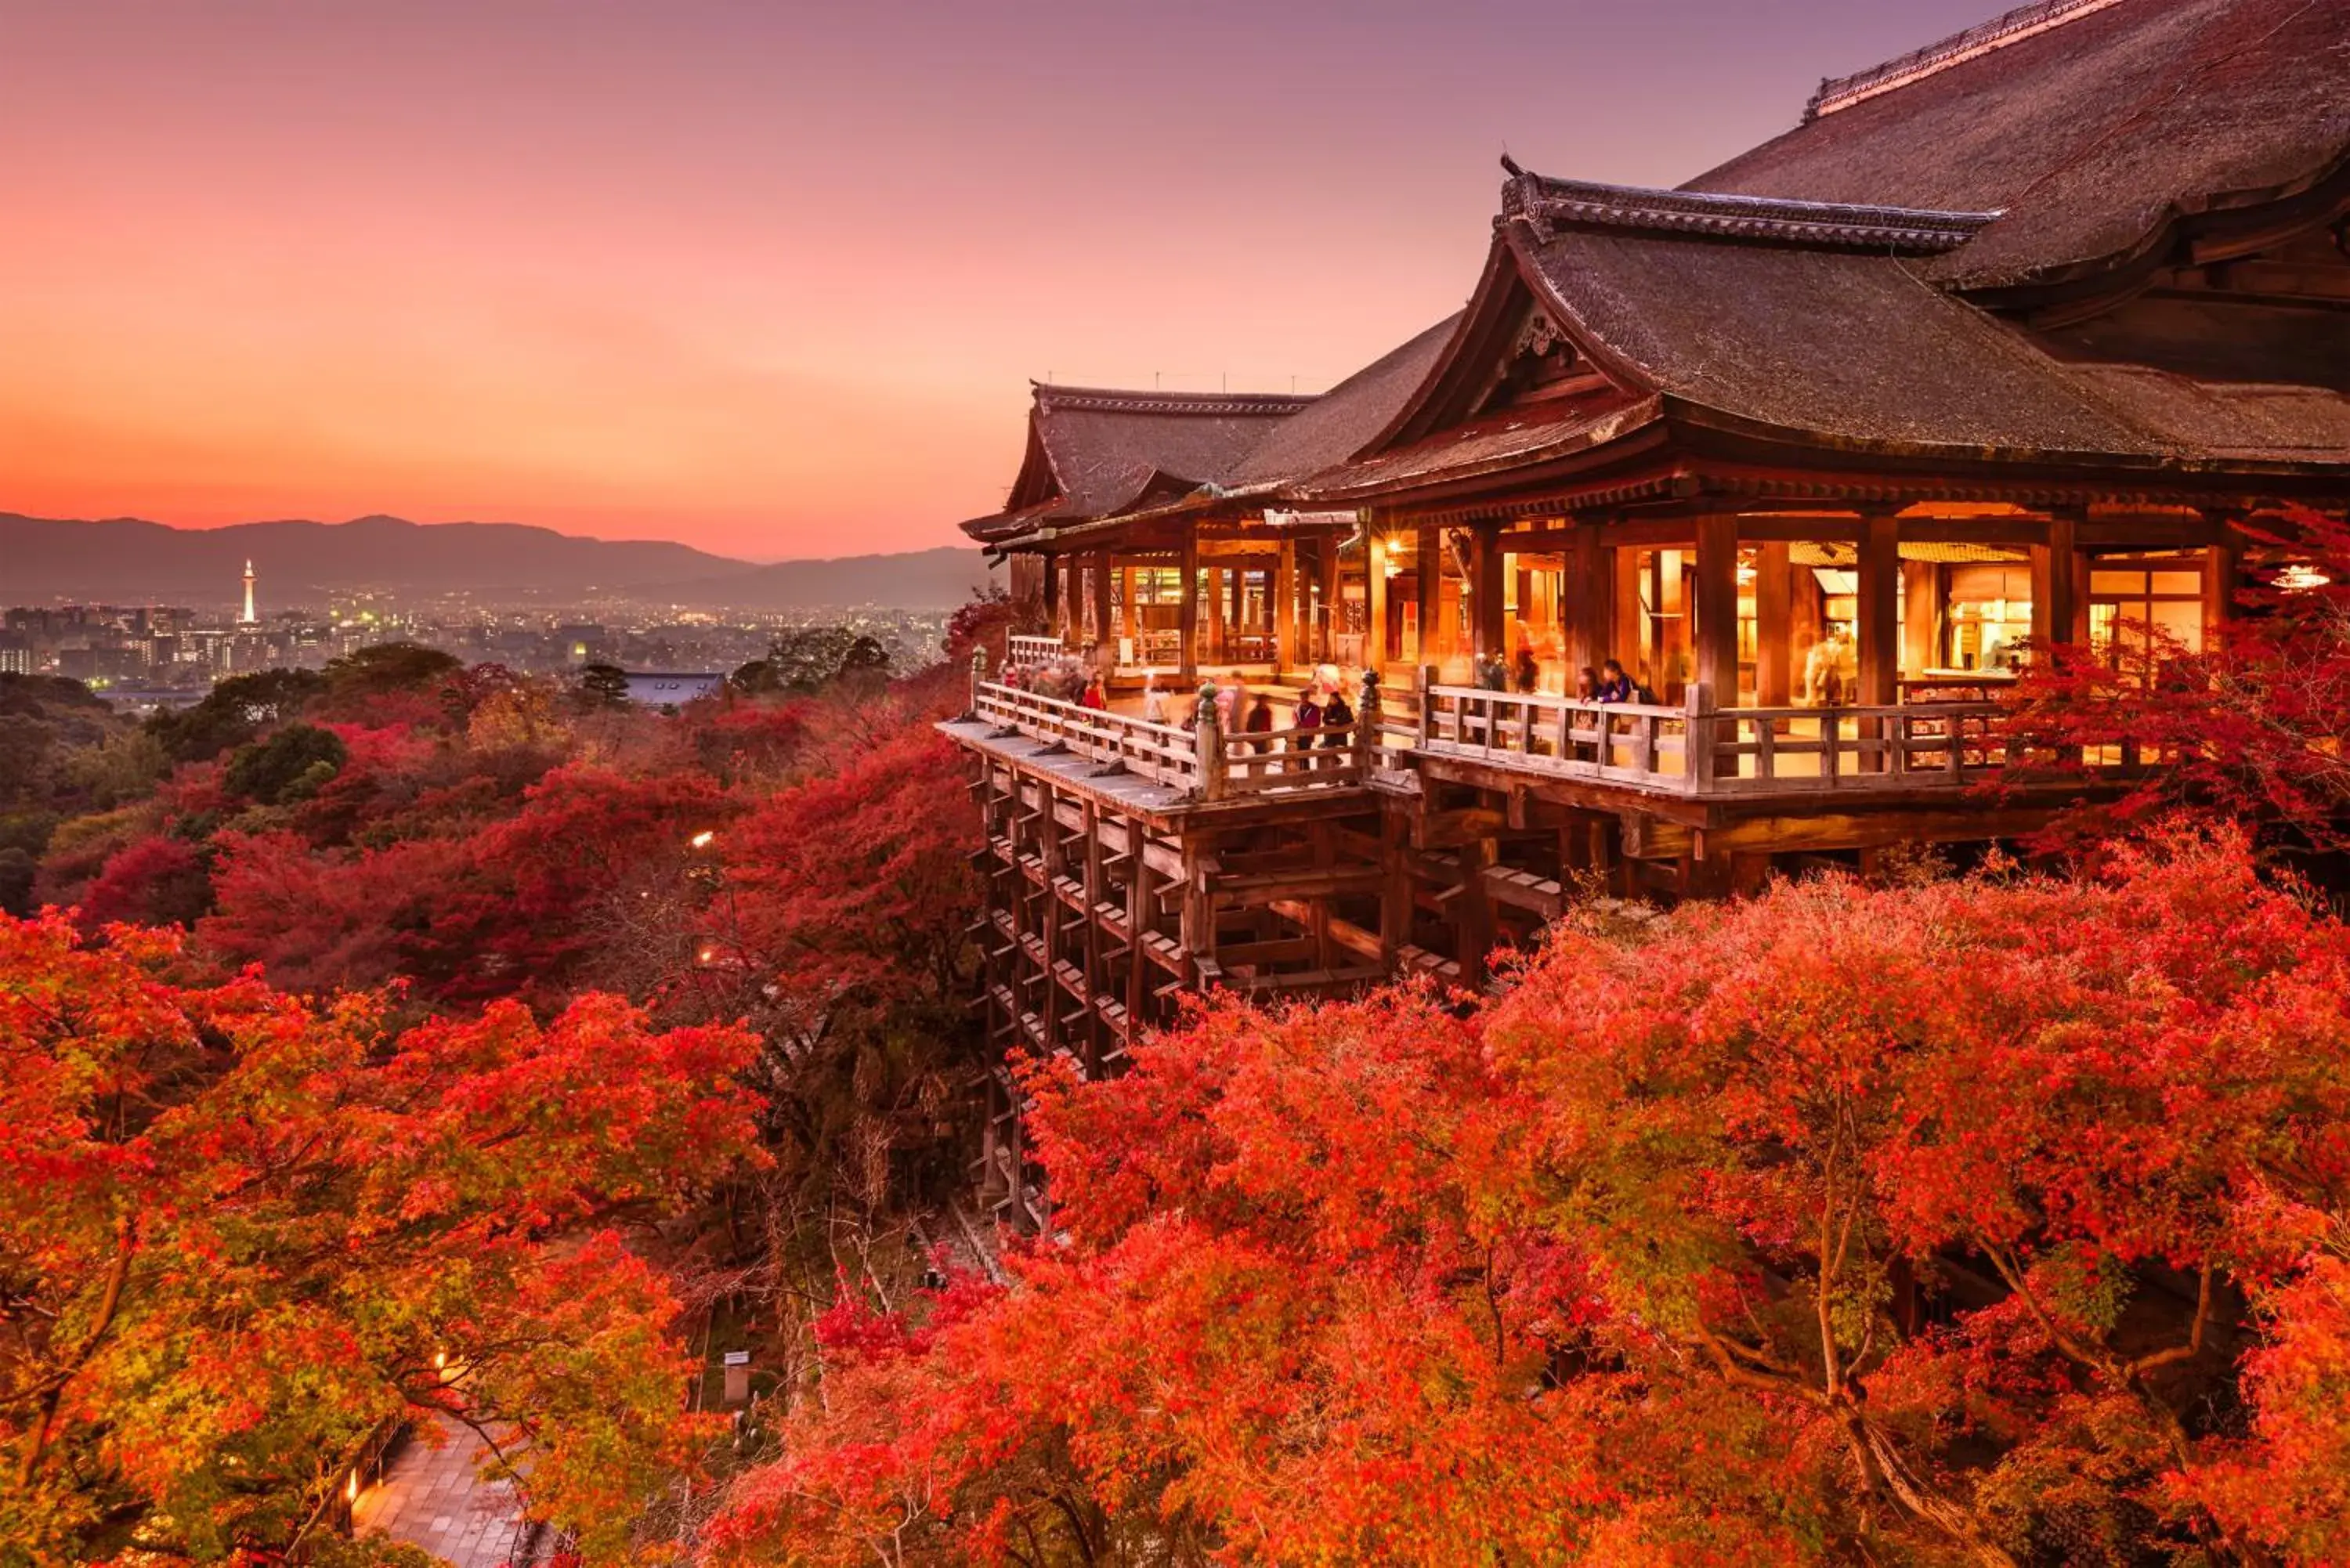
x: 432, y: 1499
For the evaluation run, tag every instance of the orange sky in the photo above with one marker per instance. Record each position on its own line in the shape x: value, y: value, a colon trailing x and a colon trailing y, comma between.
x: 769, y: 278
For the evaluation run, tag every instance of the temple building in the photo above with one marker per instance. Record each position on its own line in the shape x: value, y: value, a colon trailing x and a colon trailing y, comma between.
x: 2000, y: 343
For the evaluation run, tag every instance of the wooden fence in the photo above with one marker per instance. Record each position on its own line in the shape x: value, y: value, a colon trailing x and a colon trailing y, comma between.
x: 1205, y: 762
x: 1699, y: 750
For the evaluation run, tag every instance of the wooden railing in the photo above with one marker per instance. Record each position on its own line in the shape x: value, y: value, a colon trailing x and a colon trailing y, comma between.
x: 1204, y: 762
x: 1026, y: 652
x: 1699, y: 750
x: 1638, y: 744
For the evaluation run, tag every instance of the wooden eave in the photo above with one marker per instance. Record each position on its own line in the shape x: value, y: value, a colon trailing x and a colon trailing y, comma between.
x: 2223, y: 227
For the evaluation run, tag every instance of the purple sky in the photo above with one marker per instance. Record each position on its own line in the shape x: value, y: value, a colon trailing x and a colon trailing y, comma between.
x: 770, y: 279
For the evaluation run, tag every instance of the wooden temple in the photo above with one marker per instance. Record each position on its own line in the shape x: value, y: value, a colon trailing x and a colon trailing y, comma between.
x: 2001, y: 344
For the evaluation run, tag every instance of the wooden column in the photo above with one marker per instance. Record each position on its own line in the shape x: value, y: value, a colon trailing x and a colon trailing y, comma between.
x: 1876, y: 611
x: 1286, y: 649
x: 1130, y: 615
x: 1051, y: 597
x: 1472, y: 910
x: 1486, y: 560
x: 1217, y: 649
x: 1430, y: 595
x: 1323, y: 622
x: 1104, y: 632
x: 1187, y: 612
x: 2223, y: 568
x: 2055, y: 590
x: 1629, y: 642
x: 1375, y: 603
x: 1774, y: 619
x: 1590, y: 607
x: 1922, y: 617
x: 1073, y: 601
x: 1671, y: 576
x: 1715, y: 613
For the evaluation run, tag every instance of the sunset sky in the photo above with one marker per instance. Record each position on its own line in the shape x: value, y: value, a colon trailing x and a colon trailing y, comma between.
x: 770, y: 279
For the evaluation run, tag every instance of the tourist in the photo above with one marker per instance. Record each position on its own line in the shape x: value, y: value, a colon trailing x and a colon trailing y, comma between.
x: 1260, y: 721
x: 1094, y: 696
x: 1336, y: 715
x: 1586, y: 684
x: 1154, y: 705
x: 1529, y: 673
x: 1615, y: 686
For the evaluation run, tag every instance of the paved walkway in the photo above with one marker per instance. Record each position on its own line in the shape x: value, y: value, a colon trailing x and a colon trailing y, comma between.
x: 432, y: 1498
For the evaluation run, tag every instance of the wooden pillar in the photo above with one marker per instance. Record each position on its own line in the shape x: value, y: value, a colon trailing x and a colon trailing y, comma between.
x: 1716, y: 610
x: 1486, y: 561
x: 1187, y: 612
x: 2223, y: 568
x: 1431, y: 593
x: 1590, y: 611
x: 1774, y: 617
x: 1286, y: 647
x: 1876, y: 611
x: 2054, y: 584
x: 1323, y: 625
x: 1922, y: 617
x: 1130, y: 613
x: 1375, y: 603
x: 1051, y: 597
x: 1217, y: 652
x: 1105, y: 633
x: 1472, y: 910
x: 1630, y: 642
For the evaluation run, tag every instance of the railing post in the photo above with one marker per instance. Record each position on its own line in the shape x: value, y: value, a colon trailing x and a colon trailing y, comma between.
x: 1367, y: 726
x: 1697, y: 743
x: 1427, y: 703
x: 1208, y: 736
x: 978, y: 679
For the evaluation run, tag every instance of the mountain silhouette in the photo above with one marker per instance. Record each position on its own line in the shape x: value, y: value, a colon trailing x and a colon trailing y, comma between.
x: 125, y: 560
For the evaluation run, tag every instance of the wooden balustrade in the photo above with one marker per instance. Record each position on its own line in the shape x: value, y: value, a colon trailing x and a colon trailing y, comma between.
x: 1027, y: 652
x: 1207, y: 761
x: 1700, y: 749
x: 1693, y: 750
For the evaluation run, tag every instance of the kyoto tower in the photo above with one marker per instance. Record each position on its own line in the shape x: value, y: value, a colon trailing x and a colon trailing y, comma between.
x: 248, y: 618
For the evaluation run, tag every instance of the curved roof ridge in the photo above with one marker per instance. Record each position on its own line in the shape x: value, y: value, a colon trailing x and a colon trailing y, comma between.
x: 1051, y: 395
x: 1542, y: 202
x: 2014, y: 26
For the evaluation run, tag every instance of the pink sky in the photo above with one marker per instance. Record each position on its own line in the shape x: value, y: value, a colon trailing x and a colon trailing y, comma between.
x: 770, y: 277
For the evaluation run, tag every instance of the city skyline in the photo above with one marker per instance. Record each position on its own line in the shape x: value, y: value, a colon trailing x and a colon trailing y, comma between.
x: 675, y: 275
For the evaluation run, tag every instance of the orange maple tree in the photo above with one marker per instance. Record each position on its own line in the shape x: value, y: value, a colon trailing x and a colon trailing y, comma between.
x: 238, y: 1229
x: 1989, y: 1222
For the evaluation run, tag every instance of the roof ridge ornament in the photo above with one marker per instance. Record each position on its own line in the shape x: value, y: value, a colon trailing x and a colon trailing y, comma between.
x: 1545, y: 205
x: 2013, y: 28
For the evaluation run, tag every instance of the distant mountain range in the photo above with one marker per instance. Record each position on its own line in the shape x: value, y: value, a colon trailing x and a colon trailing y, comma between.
x: 125, y: 560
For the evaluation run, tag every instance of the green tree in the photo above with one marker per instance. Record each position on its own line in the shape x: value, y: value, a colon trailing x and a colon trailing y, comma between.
x: 604, y: 686
x: 235, y: 711
x: 389, y: 666
x: 290, y: 765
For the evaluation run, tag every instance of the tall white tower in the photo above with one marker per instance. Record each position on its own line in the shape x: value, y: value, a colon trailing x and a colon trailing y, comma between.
x: 248, y: 618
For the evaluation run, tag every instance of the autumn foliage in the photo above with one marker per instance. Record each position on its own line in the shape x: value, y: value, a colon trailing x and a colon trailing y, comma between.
x: 237, y: 1230
x: 1991, y: 1220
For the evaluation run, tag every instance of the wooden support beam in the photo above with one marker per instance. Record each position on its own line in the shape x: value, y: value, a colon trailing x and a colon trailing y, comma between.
x: 2055, y: 580
x: 1187, y: 572
x: 1322, y: 626
x: 1051, y: 597
x: 1921, y: 615
x: 1104, y: 633
x: 1630, y: 627
x: 1430, y: 579
x: 1486, y: 561
x: 1472, y: 910
x: 1284, y: 608
x: 1375, y: 603
x: 1716, y: 610
x: 1216, y: 650
x: 1877, y: 612
x: 1589, y: 607
x: 2223, y: 570
x: 1774, y: 611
